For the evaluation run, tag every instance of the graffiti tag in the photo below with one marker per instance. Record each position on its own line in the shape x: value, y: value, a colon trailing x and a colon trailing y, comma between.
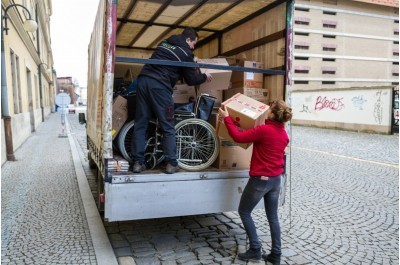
x: 358, y: 102
x: 305, y: 109
x: 334, y: 104
x: 378, y: 108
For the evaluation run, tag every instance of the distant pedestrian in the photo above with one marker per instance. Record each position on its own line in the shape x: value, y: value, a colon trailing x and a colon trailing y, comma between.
x: 266, y: 168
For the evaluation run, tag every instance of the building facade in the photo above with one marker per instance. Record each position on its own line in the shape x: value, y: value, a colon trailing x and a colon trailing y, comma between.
x: 27, y: 87
x: 345, y: 63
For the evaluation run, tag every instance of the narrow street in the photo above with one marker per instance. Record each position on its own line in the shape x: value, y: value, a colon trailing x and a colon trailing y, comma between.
x: 341, y: 208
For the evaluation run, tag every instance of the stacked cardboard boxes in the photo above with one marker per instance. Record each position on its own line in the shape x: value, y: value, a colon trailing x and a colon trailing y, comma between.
x: 221, y: 81
x: 247, y: 83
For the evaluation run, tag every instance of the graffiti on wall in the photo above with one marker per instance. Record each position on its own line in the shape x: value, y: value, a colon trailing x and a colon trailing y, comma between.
x: 369, y: 106
x: 325, y: 103
x: 358, y: 102
x: 378, y: 107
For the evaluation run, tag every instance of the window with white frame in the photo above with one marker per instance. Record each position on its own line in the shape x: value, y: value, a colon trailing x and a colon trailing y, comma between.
x: 15, y: 82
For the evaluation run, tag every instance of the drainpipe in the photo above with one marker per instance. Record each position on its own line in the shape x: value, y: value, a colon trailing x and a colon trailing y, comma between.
x: 5, y: 113
x: 39, y: 66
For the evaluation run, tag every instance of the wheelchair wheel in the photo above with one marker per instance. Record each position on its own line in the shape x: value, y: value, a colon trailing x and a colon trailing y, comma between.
x: 125, y: 140
x: 197, y: 144
x: 125, y: 143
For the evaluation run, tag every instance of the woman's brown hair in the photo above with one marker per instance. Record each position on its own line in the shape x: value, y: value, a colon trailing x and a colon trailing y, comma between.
x: 281, y: 111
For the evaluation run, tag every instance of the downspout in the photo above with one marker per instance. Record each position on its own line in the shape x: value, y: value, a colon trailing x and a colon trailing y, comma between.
x: 5, y: 113
x: 40, y: 65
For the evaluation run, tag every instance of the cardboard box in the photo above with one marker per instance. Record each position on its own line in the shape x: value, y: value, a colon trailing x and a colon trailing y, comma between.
x: 247, y: 79
x: 119, y: 115
x: 221, y: 78
x: 246, y: 112
x: 182, y: 93
x: 231, y: 156
x: 259, y: 94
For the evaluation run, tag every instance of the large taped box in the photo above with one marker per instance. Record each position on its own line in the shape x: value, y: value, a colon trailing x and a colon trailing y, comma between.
x: 119, y: 115
x: 221, y: 78
x: 247, y: 79
x: 246, y: 113
x: 231, y: 156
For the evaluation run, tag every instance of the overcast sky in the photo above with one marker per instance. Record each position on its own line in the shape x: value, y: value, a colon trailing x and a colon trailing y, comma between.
x: 71, y: 26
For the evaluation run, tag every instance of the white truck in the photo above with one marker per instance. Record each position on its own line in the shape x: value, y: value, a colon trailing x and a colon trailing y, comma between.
x: 125, y: 34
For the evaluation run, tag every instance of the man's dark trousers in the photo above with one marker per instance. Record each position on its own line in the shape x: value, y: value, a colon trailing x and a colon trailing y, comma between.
x: 153, y: 98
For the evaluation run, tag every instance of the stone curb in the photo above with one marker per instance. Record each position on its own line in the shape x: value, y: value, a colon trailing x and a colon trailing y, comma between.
x: 101, y: 244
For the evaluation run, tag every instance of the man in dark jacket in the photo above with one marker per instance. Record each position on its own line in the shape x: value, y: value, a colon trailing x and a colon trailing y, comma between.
x: 154, y: 95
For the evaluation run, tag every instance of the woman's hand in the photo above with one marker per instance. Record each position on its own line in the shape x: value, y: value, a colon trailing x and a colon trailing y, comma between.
x: 222, y: 113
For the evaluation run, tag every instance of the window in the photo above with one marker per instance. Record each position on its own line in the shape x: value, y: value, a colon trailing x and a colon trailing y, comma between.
x: 329, y: 36
x: 396, y: 32
x: 16, y: 83
x: 302, y: 45
x: 396, y: 53
x: 329, y: 24
x: 302, y: 21
x: 395, y: 83
x: 301, y: 58
x: 396, y: 21
x: 395, y: 42
x: 328, y: 59
x: 395, y: 63
x: 327, y: 72
x: 329, y: 13
x: 328, y: 49
x: 300, y: 82
x: 301, y: 71
x: 302, y: 9
x: 298, y: 69
x: 301, y: 33
x: 395, y: 74
x: 328, y: 82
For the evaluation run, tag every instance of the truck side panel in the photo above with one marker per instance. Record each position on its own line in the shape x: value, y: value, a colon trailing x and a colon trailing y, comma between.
x: 134, y: 201
x: 95, y: 79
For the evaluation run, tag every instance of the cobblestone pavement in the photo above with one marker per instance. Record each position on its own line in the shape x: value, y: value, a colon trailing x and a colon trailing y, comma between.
x: 42, y: 216
x: 342, y: 207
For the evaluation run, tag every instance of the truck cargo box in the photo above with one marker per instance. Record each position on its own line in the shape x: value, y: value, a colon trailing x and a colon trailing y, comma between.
x: 124, y: 36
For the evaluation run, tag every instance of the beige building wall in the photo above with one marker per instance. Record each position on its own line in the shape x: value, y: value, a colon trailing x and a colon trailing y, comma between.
x: 357, y: 47
x: 22, y: 60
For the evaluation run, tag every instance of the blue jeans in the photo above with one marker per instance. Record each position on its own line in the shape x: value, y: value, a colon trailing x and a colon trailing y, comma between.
x: 255, y: 190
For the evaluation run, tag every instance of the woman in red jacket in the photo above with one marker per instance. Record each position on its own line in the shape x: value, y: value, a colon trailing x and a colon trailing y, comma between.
x: 266, y: 167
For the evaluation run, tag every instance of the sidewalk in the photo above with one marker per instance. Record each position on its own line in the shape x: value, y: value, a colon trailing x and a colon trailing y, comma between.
x: 47, y: 210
